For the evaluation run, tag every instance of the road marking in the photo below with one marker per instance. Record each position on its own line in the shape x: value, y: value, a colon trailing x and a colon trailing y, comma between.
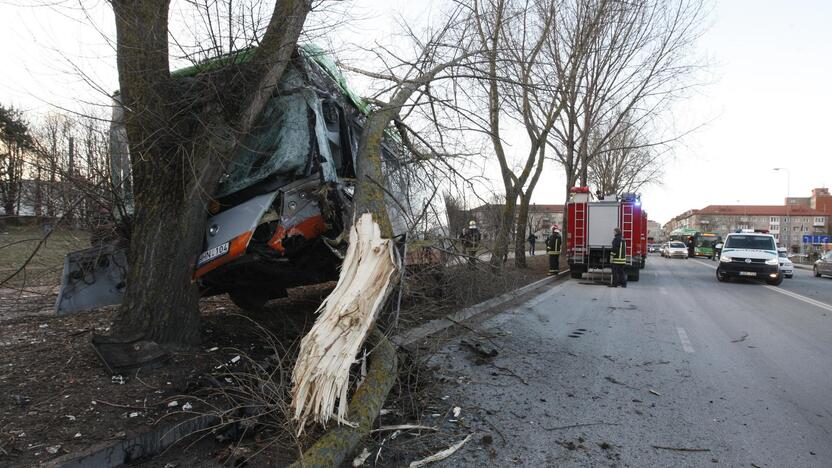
x: 683, y: 337
x: 800, y: 297
x: 793, y: 295
x: 705, y: 264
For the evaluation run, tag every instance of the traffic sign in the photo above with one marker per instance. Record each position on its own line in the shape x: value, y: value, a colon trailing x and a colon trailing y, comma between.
x: 817, y: 239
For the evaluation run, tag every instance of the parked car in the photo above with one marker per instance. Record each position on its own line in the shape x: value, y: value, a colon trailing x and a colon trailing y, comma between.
x: 823, y: 266
x: 786, y: 265
x: 676, y: 250
x: 750, y: 255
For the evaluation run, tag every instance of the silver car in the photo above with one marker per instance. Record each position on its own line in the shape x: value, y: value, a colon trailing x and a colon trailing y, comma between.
x: 823, y: 266
x: 786, y: 265
x: 676, y: 250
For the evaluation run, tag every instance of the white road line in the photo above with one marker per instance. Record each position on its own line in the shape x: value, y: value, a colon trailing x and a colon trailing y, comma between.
x: 703, y: 263
x: 799, y: 297
x: 683, y: 337
x: 793, y: 295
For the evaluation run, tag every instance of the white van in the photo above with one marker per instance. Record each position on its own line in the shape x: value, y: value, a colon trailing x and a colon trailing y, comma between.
x: 750, y: 255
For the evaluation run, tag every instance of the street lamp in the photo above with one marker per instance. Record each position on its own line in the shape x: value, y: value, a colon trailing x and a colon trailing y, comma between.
x: 788, y: 183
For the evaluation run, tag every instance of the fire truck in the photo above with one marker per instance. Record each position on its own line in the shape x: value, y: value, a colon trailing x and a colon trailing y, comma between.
x: 589, y: 231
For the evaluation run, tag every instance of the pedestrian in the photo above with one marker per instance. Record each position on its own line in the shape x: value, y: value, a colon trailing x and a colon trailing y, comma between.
x: 553, y: 245
x: 471, y: 241
x: 619, y: 260
x: 532, y: 240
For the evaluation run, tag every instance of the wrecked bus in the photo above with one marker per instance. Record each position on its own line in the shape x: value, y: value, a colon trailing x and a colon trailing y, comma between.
x: 280, y: 213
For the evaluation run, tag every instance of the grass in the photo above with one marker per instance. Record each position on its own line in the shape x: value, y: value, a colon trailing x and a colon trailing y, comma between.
x: 18, y: 243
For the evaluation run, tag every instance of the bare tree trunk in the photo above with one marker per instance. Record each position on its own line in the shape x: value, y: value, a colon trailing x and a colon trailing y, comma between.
x: 520, y: 231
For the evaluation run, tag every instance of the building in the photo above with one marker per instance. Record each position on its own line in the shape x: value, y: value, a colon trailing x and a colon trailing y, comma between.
x: 654, y: 231
x: 788, y: 223
x: 541, y: 218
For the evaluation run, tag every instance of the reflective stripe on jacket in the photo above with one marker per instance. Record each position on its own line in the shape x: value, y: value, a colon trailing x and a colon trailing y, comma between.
x: 553, y: 244
x: 619, y: 251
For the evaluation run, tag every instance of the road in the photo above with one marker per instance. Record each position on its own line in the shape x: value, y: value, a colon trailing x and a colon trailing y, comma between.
x: 675, y: 370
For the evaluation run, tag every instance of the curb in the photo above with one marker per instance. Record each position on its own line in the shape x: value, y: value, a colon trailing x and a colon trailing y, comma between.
x: 437, y: 325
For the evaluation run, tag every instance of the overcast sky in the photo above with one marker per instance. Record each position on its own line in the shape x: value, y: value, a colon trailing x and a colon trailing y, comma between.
x: 767, y: 104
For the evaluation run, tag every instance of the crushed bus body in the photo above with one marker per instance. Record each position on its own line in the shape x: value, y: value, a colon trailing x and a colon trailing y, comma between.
x: 280, y: 214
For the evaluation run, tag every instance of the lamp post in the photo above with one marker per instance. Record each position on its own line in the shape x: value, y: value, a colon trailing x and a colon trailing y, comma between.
x: 788, y: 218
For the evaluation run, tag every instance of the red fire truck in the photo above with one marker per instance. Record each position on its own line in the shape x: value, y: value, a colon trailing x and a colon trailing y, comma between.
x: 589, y: 231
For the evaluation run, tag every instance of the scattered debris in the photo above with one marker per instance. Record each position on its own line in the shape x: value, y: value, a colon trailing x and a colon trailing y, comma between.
x: 740, y: 339
x: 571, y: 426
x: 187, y: 406
x: 680, y: 449
x: 134, y: 414
x: 441, y: 455
x: 618, y: 382
x: 405, y: 427
x: 77, y: 435
x: 173, y: 403
x: 457, y: 410
x: 53, y: 449
x: 478, y: 348
x: 361, y: 458
x: 211, y: 350
x: 235, y: 360
x: 654, y: 392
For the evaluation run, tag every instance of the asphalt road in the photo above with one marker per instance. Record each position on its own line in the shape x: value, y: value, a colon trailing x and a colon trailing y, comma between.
x: 675, y: 370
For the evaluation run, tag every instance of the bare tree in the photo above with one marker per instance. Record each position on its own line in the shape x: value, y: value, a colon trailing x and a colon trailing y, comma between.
x: 626, y: 162
x: 627, y: 62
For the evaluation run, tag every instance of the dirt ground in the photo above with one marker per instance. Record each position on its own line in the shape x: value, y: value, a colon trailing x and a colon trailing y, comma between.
x: 56, y: 398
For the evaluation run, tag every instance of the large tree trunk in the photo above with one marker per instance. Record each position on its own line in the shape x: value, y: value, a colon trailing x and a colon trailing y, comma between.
x: 176, y: 162
x: 520, y: 232
x: 503, y: 236
x: 369, y: 192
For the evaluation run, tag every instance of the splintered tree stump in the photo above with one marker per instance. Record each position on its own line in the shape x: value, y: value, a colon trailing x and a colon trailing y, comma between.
x: 321, y: 374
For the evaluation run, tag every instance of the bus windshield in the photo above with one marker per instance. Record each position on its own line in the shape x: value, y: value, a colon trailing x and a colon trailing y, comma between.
x: 750, y: 242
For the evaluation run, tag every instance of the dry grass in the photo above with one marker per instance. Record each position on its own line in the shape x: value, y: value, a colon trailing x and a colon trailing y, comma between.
x: 42, y: 260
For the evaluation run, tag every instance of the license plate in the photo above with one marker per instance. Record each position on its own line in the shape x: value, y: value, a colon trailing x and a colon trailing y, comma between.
x: 747, y: 273
x: 211, y: 254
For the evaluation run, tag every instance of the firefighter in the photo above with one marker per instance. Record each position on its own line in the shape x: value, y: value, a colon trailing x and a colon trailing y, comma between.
x: 471, y: 241
x: 619, y: 260
x: 553, y: 245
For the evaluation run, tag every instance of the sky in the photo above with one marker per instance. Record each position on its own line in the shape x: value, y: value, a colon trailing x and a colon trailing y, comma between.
x: 765, y: 103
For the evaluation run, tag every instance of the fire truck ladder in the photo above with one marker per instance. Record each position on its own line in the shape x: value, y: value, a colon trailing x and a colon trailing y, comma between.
x: 627, y: 228
x: 580, y: 231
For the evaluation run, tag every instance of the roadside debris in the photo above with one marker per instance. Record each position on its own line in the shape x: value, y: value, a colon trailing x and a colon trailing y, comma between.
x: 479, y: 349
x: 457, y: 411
x: 654, y: 392
x: 405, y: 427
x: 740, y: 339
x: 680, y: 449
x: 361, y: 458
x: 441, y: 455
